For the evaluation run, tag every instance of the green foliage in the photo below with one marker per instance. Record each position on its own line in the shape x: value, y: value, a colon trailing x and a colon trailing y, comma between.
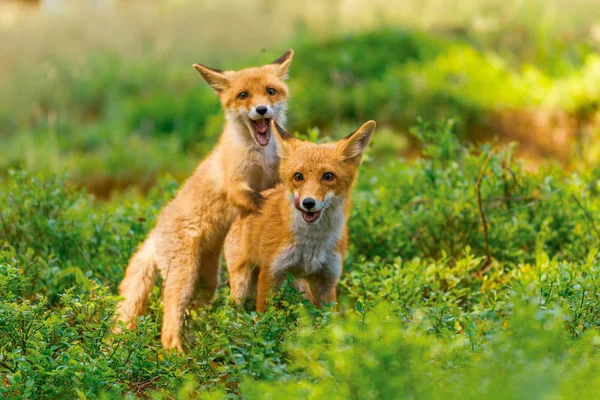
x: 88, y: 116
x: 387, y: 357
x: 421, y: 313
x: 56, y: 241
x: 429, y: 208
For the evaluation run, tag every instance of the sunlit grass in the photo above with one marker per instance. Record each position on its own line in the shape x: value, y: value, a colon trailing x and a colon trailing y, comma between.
x: 79, y: 85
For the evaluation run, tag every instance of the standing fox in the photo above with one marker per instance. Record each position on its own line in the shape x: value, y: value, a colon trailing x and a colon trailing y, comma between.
x: 185, y: 246
x: 301, y: 227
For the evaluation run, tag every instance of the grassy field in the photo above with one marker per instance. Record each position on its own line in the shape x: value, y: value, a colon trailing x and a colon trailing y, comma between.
x: 80, y: 90
x: 474, y: 265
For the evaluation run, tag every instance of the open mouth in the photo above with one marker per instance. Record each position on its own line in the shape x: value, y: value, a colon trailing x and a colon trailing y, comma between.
x: 262, y: 132
x: 309, y: 216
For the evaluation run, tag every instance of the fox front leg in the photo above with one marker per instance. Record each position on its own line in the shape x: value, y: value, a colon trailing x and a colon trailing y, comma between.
x: 242, y: 196
x: 266, y: 282
x: 322, y: 291
x: 323, y: 284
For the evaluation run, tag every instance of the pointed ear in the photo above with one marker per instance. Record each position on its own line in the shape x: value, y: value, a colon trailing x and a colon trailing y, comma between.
x: 285, y: 140
x: 352, y: 147
x: 214, y: 77
x: 283, y: 64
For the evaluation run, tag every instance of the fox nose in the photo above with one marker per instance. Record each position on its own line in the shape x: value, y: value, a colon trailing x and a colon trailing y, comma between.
x: 309, y: 203
x: 262, y: 110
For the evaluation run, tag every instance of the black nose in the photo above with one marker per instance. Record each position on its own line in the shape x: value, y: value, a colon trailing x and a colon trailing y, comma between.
x: 262, y: 110
x: 308, y: 203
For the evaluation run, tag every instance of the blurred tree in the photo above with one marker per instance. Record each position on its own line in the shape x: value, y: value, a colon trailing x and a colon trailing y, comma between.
x: 53, y: 5
x: 34, y: 3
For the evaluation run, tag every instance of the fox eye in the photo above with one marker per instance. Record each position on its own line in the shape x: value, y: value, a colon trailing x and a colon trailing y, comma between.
x: 327, y: 176
x: 271, y: 91
x: 243, y: 95
x: 298, y: 177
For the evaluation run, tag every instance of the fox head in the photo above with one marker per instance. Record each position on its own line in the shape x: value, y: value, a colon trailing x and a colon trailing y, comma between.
x: 252, y: 97
x: 320, y: 177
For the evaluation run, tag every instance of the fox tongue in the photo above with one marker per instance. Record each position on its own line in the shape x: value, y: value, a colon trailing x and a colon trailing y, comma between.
x: 261, y: 126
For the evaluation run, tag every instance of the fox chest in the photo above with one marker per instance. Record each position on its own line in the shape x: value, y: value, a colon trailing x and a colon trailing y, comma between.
x: 265, y: 171
x: 305, y: 259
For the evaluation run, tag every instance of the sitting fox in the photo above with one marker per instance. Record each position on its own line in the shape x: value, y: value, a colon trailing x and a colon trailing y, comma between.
x: 301, y: 227
x: 185, y: 246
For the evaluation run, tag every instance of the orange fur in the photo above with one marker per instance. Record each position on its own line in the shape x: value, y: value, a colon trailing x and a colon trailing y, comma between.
x: 283, y: 237
x: 185, y: 246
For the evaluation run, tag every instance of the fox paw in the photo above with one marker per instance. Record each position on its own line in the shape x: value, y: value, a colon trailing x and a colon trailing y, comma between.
x: 257, y: 200
x: 170, y: 341
x: 246, y: 200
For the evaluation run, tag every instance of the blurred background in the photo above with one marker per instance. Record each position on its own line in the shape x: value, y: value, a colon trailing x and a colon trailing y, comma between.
x: 105, y: 89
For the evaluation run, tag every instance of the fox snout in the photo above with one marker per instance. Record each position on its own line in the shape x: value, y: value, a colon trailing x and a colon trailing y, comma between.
x: 308, y: 203
x: 309, y: 207
x: 261, y: 111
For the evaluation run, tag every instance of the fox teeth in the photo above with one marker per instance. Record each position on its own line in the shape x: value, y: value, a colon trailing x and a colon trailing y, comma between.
x: 261, y: 130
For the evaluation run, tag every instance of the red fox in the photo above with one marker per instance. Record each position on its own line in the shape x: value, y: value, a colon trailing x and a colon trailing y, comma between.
x: 185, y: 246
x: 301, y: 227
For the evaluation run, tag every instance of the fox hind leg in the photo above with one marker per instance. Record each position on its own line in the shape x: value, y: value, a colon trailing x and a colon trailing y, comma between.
x: 208, y: 279
x: 180, y: 279
x: 242, y: 277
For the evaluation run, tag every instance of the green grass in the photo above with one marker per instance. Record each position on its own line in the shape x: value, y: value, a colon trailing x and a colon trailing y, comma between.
x: 421, y: 313
x: 84, y: 99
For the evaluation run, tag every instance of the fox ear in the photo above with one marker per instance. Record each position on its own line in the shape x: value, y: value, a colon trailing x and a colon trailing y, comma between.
x: 214, y: 77
x: 353, y: 146
x: 283, y: 64
x: 285, y: 140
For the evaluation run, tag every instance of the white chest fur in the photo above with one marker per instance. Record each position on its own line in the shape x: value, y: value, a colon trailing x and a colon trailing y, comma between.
x: 270, y: 165
x: 314, y: 250
x: 261, y: 167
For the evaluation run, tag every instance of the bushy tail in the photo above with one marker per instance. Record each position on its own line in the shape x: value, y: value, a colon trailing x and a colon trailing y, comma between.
x: 137, y: 284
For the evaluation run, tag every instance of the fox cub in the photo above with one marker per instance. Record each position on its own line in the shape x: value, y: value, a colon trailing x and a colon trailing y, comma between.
x: 185, y: 246
x: 301, y: 227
